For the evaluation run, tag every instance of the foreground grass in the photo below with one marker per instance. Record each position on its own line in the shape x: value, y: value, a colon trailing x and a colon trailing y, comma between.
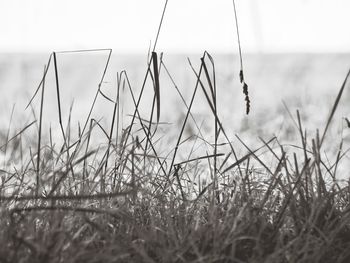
x: 122, y: 201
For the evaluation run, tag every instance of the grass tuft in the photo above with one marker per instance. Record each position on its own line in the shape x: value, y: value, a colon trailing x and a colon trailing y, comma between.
x: 138, y: 193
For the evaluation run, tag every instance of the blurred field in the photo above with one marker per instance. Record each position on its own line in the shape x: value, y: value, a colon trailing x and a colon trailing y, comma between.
x: 308, y: 82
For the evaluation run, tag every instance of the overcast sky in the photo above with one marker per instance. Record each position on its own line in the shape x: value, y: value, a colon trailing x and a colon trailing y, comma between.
x: 190, y: 25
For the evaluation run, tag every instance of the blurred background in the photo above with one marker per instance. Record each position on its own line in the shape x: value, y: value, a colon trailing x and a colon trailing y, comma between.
x: 189, y: 25
x: 296, y: 53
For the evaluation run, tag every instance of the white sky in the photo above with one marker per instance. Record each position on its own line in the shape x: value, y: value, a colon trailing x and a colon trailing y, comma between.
x: 190, y: 25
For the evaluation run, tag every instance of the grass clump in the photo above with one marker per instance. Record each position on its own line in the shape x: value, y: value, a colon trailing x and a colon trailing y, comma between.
x: 115, y: 193
x: 124, y: 201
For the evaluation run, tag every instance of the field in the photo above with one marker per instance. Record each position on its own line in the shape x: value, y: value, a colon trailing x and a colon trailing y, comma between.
x: 174, y: 158
x: 155, y: 176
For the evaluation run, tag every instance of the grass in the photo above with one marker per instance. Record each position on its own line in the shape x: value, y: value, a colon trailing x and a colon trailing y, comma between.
x: 126, y: 200
x: 140, y: 194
